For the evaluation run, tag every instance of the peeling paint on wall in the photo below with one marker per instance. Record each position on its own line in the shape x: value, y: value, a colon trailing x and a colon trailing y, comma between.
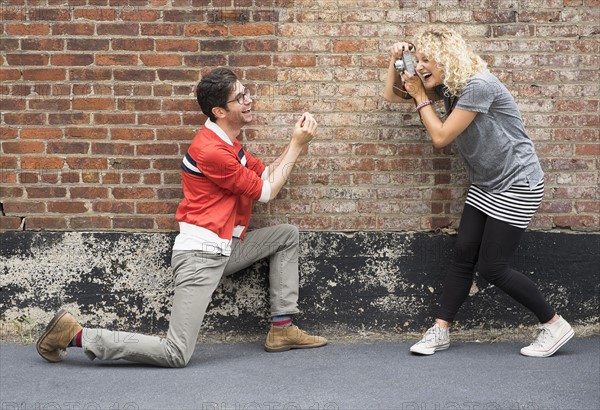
x: 372, y: 281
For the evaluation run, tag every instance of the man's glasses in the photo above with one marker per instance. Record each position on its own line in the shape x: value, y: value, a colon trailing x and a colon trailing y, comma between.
x: 241, y: 97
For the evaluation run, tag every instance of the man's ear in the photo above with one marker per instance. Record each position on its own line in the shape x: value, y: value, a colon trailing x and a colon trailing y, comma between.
x: 219, y: 112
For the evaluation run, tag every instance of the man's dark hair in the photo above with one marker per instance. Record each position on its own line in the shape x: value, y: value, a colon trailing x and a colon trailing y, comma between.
x: 214, y: 89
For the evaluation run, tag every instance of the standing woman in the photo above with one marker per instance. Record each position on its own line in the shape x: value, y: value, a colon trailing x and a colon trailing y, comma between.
x: 507, y: 181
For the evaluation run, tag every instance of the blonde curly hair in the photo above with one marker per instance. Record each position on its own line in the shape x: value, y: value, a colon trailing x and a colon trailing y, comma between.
x: 451, y: 53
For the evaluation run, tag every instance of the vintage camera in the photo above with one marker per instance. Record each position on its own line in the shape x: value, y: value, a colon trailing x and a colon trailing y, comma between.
x: 405, y: 63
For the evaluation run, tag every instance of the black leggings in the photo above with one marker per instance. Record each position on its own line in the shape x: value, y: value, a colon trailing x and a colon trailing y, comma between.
x: 489, y: 243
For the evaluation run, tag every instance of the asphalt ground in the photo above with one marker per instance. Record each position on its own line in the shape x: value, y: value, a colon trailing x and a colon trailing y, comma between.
x: 378, y: 375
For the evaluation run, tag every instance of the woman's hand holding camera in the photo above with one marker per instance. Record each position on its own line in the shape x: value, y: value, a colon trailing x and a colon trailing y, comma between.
x: 411, y: 83
x: 399, y: 48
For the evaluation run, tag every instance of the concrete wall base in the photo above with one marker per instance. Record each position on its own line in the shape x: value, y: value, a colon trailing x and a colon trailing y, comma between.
x: 362, y: 282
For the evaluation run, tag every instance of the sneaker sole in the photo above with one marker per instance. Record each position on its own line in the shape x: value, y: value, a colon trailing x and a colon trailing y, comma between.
x: 557, y: 346
x: 286, y: 348
x: 430, y: 352
x: 47, y: 331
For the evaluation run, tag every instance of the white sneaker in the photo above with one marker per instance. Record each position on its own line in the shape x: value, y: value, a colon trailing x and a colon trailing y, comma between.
x: 436, y: 338
x: 549, y: 339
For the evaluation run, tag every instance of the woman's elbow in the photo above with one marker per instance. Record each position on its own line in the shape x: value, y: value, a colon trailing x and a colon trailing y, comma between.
x: 439, y: 143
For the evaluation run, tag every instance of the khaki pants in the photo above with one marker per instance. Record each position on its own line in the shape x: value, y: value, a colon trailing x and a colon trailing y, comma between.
x: 197, y: 275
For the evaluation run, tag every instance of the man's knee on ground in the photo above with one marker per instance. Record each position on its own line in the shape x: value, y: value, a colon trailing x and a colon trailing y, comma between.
x: 177, y: 357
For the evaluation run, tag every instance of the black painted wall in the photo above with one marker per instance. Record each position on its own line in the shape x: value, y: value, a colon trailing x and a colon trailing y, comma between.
x: 371, y: 281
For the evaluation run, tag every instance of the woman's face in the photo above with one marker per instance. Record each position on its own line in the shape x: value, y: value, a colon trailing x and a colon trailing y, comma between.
x: 427, y: 69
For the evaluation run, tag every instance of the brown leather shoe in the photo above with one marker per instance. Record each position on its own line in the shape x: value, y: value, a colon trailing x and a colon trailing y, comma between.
x: 58, y: 334
x: 281, y: 339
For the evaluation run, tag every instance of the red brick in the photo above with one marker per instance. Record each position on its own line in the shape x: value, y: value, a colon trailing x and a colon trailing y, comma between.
x: 27, y: 59
x: 167, y: 223
x: 570, y: 221
x: 73, y: 29
x: 161, y: 119
x: 23, y: 207
x: 132, y: 193
x: 251, y: 30
x: 86, y: 133
x: 149, y: 208
x: 90, y: 74
x: 590, y: 207
x: 205, y: 30
x: 96, y: 14
x: 69, y: 119
x: 9, y: 74
x: 188, y: 76
x: 23, y: 147
x: 588, y: 149
x: 90, y: 222
x: 12, y: 104
x: 220, y: 45
x: 44, y: 74
x: 132, y: 223
x: 161, y: 60
x: 47, y: 192
x: 295, y: 60
x: 50, y: 104
x: 93, y: 104
x: 112, y: 148
x: 88, y: 192
x: 114, y: 207
x: 10, y: 223
x: 131, y: 134
x: 131, y: 178
x: 137, y: 44
x: 70, y: 207
x: 87, y: 163
x: 46, y: 44
x: 67, y: 147
x: 42, y: 163
x: 7, y: 177
x: 163, y: 29
x: 134, y: 75
x: 140, y: 15
x: 109, y: 118
x: 10, y: 192
x: 177, y: 45
x: 116, y: 59
x: 157, y: 149
x: 37, y: 223
x: 351, y: 46
x: 41, y: 133
x: 124, y: 164
x: 88, y: 44
x: 117, y: 29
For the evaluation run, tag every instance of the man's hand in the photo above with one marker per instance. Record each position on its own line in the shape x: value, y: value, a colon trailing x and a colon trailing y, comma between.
x: 304, y: 130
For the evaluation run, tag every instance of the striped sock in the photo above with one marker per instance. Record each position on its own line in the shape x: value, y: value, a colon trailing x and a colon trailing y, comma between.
x: 76, y: 341
x: 281, y: 321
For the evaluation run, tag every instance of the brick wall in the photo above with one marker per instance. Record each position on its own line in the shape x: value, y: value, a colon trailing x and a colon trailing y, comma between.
x: 97, y: 107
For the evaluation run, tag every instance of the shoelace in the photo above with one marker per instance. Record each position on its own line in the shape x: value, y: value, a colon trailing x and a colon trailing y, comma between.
x: 541, y: 334
x: 432, y: 335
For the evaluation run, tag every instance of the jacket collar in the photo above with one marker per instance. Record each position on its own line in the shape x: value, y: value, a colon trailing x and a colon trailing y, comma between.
x: 217, y: 130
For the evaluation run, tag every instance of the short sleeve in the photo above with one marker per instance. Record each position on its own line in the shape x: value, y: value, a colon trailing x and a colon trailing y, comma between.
x: 478, y: 95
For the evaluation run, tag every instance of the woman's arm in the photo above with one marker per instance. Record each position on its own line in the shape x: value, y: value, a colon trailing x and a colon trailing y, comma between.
x: 442, y: 133
x: 394, y: 89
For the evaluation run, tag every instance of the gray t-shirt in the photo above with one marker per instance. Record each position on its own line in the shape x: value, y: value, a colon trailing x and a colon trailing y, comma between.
x: 495, y: 147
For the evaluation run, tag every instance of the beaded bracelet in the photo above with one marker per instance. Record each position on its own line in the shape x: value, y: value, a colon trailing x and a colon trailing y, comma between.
x: 423, y: 104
